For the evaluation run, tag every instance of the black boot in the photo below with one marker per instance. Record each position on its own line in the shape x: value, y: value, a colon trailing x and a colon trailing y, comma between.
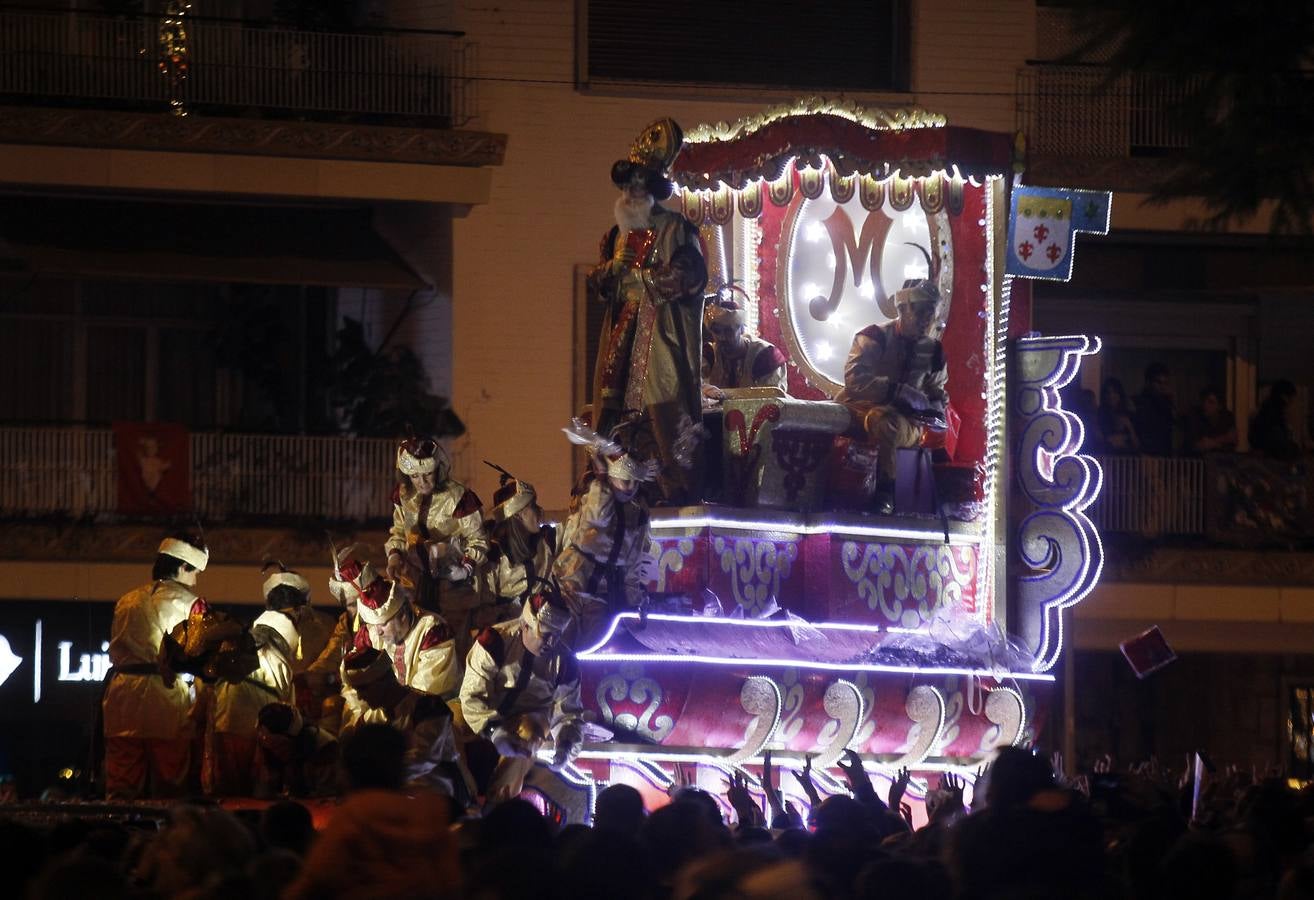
x: 883, y: 503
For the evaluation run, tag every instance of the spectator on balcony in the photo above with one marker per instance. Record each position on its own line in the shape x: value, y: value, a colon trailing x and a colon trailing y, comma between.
x: 1211, y: 426
x: 1081, y: 403
x: 1155, y: 417
x: 1117, y: 434
x: 146, y: 707
x: 437, y: 537
x: 1270, y: 431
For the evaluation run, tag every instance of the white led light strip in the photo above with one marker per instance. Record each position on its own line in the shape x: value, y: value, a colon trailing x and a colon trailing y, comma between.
x: 844, y: 529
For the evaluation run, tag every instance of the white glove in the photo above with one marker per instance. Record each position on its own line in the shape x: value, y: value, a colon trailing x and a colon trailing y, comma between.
x: 508, y: 744
x: 439, y: 552
x: 914, y: 398
x: 458, y: 572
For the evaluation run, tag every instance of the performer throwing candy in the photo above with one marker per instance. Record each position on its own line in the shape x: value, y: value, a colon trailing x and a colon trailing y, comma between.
x: 148, y: 732
x: 605, y: 561
x: 437, y: 536
x: 521, y: 687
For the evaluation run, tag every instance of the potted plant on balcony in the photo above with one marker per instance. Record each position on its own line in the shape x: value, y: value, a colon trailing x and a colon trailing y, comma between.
x: 382, y: 393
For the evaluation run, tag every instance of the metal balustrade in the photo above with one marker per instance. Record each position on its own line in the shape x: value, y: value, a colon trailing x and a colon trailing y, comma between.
x: 1081, y: 110
x: 238, y: 66
x: 1151, y: 496
x: 72, y: 472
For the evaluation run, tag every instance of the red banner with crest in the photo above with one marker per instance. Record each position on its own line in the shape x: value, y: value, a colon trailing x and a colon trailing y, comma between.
x: 154, y: 468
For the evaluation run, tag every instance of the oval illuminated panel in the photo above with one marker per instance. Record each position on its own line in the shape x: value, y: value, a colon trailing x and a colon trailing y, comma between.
x: 841, y: 269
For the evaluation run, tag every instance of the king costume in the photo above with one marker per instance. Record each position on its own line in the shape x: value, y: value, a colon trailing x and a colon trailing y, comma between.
x: 651, y: 278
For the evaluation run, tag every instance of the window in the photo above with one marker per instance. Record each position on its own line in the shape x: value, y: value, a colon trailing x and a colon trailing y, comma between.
x: 205, y: 355
x: 858, y: 45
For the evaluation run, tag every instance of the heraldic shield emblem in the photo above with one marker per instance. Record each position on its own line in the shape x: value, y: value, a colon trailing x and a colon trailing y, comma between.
x: 1041, y: 231
x: 1042, y: 227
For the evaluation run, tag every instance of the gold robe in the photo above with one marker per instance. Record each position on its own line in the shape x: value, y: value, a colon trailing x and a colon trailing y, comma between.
x: 142, y: 705
x: 762, y: 365
x: 650, y: 354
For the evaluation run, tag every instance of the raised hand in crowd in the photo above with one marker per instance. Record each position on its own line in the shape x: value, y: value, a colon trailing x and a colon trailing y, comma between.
x: 905, y: 813
x: 953, y: 786
x: 783, y: 815
x: 859, y: 780
x: 804, y: 779
x: 898, y: 787
x: 679, y: 781
x: 742, y: 802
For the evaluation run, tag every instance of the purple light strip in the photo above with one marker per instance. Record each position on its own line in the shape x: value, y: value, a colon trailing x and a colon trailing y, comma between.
x: 595, y: 652
x: 808, y: 664
x: 744, y: 623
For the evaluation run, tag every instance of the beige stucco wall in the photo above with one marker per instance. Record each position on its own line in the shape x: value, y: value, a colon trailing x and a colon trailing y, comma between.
x: 551, y: 201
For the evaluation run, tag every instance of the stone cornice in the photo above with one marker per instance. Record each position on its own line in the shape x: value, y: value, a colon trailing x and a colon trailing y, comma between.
x: 1116, y: 173
x: 252, y: 137
x: 1213, y: 565
x: 36, y: 541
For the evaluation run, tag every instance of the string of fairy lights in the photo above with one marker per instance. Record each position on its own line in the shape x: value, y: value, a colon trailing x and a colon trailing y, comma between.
x: 175, y: 51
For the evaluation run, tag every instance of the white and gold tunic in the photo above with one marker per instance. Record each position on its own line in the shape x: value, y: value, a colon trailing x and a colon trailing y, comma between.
x: 137, y: 702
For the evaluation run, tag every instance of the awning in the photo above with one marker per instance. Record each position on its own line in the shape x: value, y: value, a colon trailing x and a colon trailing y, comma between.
x: 148, y: 241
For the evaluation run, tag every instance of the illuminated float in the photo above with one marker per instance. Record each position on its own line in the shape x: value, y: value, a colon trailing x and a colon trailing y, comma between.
x: 924, y: 639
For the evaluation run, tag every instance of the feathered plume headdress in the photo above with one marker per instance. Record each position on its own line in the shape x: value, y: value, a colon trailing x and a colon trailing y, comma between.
x: 927, y: 287
x: 620, y: 463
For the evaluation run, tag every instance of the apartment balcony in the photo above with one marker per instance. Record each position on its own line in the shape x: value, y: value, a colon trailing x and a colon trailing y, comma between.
x: 88, y: 102
x: 1223, y: 519
x: 238, y: 67
x: 72, y: 474
x: 1087, y: 126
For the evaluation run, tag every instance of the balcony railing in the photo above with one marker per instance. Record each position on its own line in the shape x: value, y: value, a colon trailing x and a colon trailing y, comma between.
x: 1076, y: 110
x: 72, y: 472
x: 1151, y: 496
x: 237, y: 66
x: 1225, y: 499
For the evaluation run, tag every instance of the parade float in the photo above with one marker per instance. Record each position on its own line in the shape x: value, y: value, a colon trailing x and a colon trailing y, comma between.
x: 925, y: 639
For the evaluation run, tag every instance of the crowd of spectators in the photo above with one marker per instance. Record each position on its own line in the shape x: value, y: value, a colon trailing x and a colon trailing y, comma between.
x: 1150, y: 423
x: 1030, y: 834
